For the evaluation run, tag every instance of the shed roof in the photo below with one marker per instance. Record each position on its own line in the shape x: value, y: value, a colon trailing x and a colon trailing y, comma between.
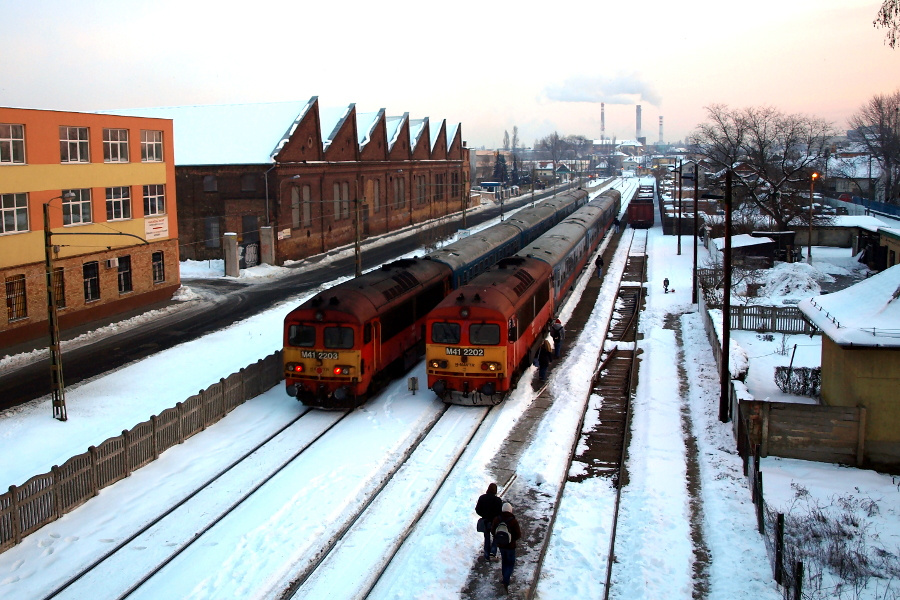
x: 866, y: 314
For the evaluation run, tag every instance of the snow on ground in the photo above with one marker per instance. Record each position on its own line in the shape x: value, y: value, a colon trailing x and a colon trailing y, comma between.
x: 677, y: 395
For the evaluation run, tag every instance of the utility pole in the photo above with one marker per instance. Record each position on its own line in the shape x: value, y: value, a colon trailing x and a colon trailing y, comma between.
x: 678, y: 224
x: 356, y: 236
x: 58, y: 388
x: 725, y: 372
x: 696, y: 208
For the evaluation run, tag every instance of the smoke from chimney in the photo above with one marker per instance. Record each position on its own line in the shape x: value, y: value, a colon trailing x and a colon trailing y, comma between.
x: 660, y: 130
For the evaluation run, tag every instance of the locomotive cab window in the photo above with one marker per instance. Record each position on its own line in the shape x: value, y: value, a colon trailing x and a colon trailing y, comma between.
x: 484, y: 334
x: 302, y: 335
x: 445, y: 333
x: 338, y: 337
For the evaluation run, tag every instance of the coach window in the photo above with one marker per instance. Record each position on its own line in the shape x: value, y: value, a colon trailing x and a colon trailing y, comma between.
x: 302, y: 335
x: 484, y: 334
x: 445, y: 333
x: 338, y: 337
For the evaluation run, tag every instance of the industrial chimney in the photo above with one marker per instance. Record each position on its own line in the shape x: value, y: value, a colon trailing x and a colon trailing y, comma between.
x: 660, y: 131
x: 637, y: 134
x: 602, y: 120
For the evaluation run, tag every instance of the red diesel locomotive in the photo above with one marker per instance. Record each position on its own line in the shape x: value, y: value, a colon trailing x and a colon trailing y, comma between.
x: 485, y: 334
x: 346, y: 339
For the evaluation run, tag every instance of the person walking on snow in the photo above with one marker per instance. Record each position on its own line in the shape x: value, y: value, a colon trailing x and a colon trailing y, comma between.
x: 666, y: 285
x: 506, y: 531
x: 599, y: 263
x: 558, y: 333
x: 488, y: 507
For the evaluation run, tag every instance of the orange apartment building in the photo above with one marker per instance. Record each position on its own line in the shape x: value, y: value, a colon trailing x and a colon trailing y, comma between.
x: 110, y: 184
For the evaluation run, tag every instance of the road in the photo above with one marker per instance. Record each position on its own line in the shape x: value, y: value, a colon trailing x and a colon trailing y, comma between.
x: 235, y: 302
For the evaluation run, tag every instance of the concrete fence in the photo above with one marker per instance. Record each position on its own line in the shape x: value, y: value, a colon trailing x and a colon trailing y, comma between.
x: 44, y: 498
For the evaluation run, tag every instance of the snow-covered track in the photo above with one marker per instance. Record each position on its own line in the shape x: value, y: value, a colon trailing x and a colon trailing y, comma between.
x: 601, y: 449
x: 80, y: 585
x: 390, y: 516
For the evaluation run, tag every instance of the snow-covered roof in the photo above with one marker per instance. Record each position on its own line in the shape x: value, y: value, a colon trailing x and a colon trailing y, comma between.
x: 226, y: 134
x: 452, y: 128
x: 330, y: 121
x: 865, y: 314
x: 365, y: 124
x: 742, y: 240
x: 866, y: 222
x: 393, y: 128
x: 854, y: 167
x: 416, y: 127
x: 435, y: 131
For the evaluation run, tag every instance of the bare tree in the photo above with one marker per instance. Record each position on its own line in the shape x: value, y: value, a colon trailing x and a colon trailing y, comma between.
x: 889, y: 18
x: 506, y: 140
x: 771, y: 156
x: 555, y: 147
x: 878, y: 123
x: 515, y: 139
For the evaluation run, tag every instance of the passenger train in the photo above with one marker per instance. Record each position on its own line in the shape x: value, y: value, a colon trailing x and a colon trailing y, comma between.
x: 483, y: 336
x: 352, y: 338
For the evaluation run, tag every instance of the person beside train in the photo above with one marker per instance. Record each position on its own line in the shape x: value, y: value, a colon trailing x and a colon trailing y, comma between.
x: 558, y: 333
x: 599, y: 263
x: 488, y: 507
x: 507, y: 547
x: 545, y: 355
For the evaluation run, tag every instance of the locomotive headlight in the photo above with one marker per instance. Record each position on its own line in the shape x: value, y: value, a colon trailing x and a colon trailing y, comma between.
x: 490, y: 366
x: 438, y: 364
x: 342, y: 369
x: 464, y: 313
x: 295, y: 367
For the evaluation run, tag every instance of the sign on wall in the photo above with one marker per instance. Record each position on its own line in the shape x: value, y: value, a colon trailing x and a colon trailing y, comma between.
x: 156, y: 227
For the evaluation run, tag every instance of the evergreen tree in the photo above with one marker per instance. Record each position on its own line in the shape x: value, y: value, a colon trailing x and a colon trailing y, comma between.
x: 514, y: 175
x: 500, y: 170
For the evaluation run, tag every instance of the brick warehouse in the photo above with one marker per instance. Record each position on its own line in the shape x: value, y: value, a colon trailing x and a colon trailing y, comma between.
x: 109, y: 180
x: 308, y: 172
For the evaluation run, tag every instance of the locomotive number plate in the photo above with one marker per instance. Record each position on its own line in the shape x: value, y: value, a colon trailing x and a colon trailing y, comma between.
x: 465, y: 351
x: 320, y: 355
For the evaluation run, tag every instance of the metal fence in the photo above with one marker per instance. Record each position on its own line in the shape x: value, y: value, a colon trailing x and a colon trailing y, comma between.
x: 44, y: 498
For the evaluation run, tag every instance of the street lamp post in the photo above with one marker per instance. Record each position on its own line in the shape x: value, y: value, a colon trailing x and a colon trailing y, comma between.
x: 812, y: 183
x: 58, y: 388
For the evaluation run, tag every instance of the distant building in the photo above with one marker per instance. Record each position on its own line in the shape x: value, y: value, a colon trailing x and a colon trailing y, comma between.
x: 110, y: 184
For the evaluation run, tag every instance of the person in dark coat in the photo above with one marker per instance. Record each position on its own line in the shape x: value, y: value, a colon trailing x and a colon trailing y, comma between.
x: 507, y: 550
x: 545, y: 355
x: 558, y: 333
x: 599, y: 263
x: 488, y: 508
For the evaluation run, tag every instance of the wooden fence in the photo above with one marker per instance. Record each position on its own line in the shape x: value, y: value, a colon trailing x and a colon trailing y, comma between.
x: 833, y: 434
x: 776, y: 319
x: 44, y: 498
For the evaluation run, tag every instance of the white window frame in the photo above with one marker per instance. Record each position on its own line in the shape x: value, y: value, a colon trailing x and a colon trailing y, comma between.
x: 118, y: 203
x: 77, y: 209
x: 158, y: 266
x: 345, y: 200
x: 12, y: 144
x: 115, y: 145
x: 154, y: 199
x: 307, y: 206
x: 13, y: 210
x: 151, y: 145
x: 74, y: 144
x: 336, y: 189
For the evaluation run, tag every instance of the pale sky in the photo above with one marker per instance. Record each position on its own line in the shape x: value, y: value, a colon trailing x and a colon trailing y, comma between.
x: 493, y: 65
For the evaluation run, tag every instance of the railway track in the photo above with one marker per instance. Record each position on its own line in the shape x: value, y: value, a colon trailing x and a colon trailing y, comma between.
x: 604, y: 446
x: 144, y: 573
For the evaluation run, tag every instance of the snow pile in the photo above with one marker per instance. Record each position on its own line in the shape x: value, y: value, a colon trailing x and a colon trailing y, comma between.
x: 792, y: 280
